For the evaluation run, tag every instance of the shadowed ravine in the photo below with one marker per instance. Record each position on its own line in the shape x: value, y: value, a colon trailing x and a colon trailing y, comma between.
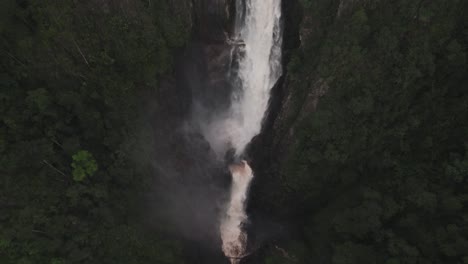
x: 255, y: 66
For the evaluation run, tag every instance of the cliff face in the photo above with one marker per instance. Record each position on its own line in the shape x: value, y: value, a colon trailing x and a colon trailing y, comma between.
x: 201, y: 79
x: 294, y: 100
x: 268, y: 149
x: 297, y: 97
x: 192, y: 184
x: 195, y: 186
x: 360, y: 111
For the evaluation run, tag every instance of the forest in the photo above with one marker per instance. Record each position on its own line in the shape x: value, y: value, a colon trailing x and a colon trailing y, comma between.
x: 366, y: 160
x: 73, y: 73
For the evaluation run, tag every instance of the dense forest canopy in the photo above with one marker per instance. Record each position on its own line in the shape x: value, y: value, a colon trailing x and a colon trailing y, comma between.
x: 373, y: 166
x: 73, y: 75
x: 378, y: 172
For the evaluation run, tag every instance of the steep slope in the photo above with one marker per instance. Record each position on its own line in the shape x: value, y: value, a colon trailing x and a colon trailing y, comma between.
x: 366, y: 161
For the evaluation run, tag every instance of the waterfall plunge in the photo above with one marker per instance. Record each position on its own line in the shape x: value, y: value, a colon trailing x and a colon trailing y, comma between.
x: 259, y: 39
x: 259, y: 70
x: 233, y: 237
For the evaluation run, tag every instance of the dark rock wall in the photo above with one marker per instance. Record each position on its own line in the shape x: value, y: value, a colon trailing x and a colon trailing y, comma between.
x: 191, y: 184
x: 264, y: 149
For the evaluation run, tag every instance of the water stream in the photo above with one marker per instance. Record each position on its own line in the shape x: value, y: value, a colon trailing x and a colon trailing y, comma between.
x: 257, y: 39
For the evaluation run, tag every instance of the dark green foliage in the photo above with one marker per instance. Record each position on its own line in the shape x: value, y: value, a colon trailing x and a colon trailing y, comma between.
x: 72, y: 77
x: 377, y: 170
x: 378, y: 173
x: 84, y: 165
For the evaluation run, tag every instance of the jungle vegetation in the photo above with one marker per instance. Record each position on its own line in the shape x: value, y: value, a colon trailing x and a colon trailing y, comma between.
x: 377, y: 173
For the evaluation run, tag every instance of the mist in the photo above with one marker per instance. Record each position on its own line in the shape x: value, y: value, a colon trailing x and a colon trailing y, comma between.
x: 229, y: 79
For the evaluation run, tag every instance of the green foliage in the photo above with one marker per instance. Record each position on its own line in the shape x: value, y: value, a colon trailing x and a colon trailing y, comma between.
x: 377, y: 171
x: 73, y: 77
x: 349, y: 253
x: 306, y: 3
x: 295, y: 253
x: 4, y: 244
x: 38, y: 98
x: 84, y: 165
x: 56, y: 261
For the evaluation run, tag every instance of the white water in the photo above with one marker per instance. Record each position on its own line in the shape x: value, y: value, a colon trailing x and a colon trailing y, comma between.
x: 259, y: 70
x: 233, y: 237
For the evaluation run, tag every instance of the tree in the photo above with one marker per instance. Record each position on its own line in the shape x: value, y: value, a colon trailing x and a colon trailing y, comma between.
x: 84, y: 165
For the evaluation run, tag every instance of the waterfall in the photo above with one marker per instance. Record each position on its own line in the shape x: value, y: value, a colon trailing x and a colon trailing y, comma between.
x: 233, y: 236
x: 258, y: 38
x: 254, y: 68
